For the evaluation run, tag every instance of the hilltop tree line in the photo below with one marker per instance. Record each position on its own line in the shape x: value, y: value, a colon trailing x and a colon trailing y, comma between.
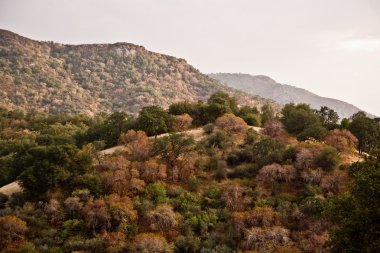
x: 297, y: 186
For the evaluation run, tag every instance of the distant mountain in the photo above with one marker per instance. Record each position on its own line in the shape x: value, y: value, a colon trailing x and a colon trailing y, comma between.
x: 266, y: 87
x: 52, y: 77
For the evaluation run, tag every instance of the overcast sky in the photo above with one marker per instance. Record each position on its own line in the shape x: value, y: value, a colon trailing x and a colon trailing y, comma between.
x: 330, y: 47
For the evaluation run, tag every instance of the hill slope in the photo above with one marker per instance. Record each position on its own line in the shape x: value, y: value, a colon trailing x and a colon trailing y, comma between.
x: 268, y: 88
x: 52, y: 77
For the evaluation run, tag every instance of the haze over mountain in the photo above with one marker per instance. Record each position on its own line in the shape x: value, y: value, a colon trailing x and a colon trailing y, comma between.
x: 266, y: 87
x: 90, y: 78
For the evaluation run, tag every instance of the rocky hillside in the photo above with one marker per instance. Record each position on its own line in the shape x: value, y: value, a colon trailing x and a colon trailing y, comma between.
x: 266, y: 87
x: 52, y: 77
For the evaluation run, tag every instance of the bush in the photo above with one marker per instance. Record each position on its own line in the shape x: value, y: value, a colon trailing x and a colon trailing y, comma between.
x: 156, y: 192
x: 208, y: 128
x: 314, y: 132
x: 268, y: 151
x: 218, y: 139
x: 328, y: 159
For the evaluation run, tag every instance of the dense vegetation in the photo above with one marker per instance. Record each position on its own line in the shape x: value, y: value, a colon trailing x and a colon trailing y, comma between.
x: 51, y: 77
x: 211, y: 184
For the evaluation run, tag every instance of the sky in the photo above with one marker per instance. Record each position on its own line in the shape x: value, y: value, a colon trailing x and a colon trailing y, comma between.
x: 329, y: 47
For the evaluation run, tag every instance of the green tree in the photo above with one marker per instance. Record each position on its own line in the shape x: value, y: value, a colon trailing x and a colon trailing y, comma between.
x: 171, y: 148
x: 221, y: 103
x: 181, y: 108
x: 355, y: 215
x: 302, y: 121
x: 267, y: 114
x: 329, y: 118
x: 328, y: 159
x: 48, y: 166
x: 154, y: 120
x: 366, y: 130
x: 267, y: 151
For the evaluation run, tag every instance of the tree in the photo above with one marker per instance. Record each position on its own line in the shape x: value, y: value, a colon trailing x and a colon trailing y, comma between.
x: 121, y: 210
x: 150, y: 242
x: 235, y: 197
x: 267, y: 151
x: 221, y: 103
x: 257, y: 217
x: 276, y: 173
x: 181, y: 108
x: 274, y: 129
x: 115, y: 124
x: 138, y: 147
x: 12, y: 230
x: 328, y: 159
x: 302, y: 121
x: 366, y: 130
x: 355, y: 216
x: 328, y: 117
x: 151, y: 171
x: 265, y: 239
x: 267, y: 113
x: 154, y: 120
x: 48, y: 166
x: 231, y: 124
x: 343, y: 140
x: 182, y: 122
x: 250, y: 115
x: 218, y: 139
x: 96, y: 215
x: 313, y: 132
x: 172, y: 148
x: 162, y: 218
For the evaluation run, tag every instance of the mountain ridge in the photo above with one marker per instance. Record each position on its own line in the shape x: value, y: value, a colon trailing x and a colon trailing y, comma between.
x: 91, y: 78
x: 266, y: 87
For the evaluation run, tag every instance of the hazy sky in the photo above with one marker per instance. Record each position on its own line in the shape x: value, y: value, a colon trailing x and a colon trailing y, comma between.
x: 330, y: 47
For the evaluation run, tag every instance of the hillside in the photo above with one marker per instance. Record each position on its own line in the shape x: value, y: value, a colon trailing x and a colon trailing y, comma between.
x: 52, y: 77
x: 268, y: 88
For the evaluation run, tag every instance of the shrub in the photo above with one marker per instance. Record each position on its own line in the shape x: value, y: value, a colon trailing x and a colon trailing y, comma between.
x: 149, y: 242
x: 276, y: 173
x: 231, y: 124
x: 182, y: 122
x: 343, y: 140
x: 328, y: 159
x: 11, y: 229
x: 268, y: 151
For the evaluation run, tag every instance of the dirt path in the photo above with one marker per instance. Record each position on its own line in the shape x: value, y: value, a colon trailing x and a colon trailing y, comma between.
x: 11, y: 188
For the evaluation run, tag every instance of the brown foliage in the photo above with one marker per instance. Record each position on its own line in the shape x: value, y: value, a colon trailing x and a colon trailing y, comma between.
x: 162, y: 218
x: 137, y: 145
x: 231, y: 124
x: 332, y: 184
x: 265, y: 239
x: 73, y: 205
x: 96, y: 215
x: 236, y: 198
x: 114, y: 242
x: 343, y: 140
x: 54, y: 211
x: 116, y: 181
x: 276, y: 173
x: 121, y: 209
x: 182, y: 122
x: 312, y: 176
x: 12, y: 231
x: 274, y: 128
x: 258, y: 217
x: 150, y: 242
x: 151, y: 171
x: 115, y: 163
x: 306, y: 154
